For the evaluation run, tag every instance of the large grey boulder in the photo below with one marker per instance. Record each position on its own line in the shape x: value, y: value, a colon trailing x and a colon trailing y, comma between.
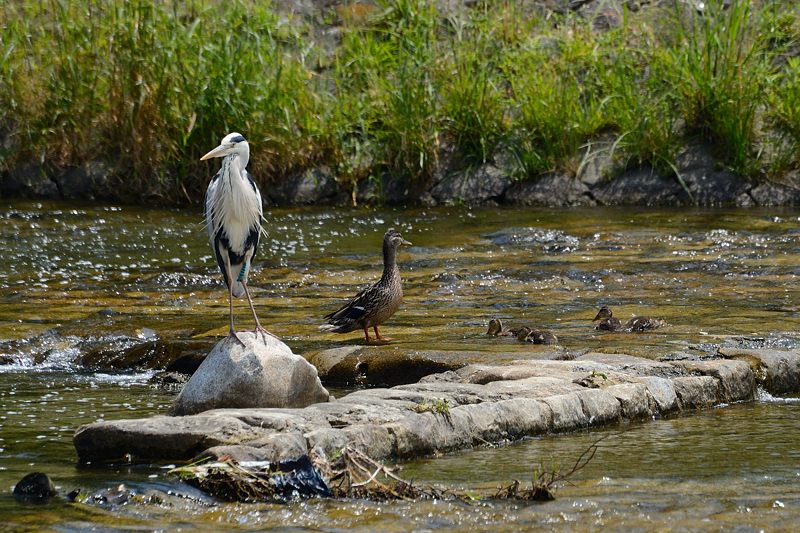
x: 262, y: 373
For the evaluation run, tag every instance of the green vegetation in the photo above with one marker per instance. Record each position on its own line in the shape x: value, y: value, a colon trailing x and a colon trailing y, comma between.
x: 151, y: 86
x: 437, y: 405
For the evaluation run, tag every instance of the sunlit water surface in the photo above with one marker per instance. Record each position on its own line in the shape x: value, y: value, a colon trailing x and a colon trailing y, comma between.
x: 74, y: 277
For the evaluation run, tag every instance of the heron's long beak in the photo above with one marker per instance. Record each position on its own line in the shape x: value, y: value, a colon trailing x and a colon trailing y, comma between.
x: 219, y: 151
x: 405, y: 242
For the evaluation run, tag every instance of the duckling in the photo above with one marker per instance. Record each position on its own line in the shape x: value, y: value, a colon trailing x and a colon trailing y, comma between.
x: 496, y: 329
x: 637, y: 323
x: 523, y: 333
x: 643, y: 323
x: 542, y: 337
x: 607, y: 320
x: 377, y: 303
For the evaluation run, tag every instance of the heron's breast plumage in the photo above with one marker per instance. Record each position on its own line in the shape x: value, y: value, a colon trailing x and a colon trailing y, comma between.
x: 233, y: 207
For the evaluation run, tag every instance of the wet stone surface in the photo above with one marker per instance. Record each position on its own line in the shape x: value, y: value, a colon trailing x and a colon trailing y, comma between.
x: 456, y: 409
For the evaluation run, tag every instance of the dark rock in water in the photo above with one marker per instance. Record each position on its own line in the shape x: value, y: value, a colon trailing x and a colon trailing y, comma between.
x: 29, y: 180
x: 86, y: 181
x: 642, y: 186
x: 187, y: 364
x: 124, y: 353
x: 389, y: 189
x: 709, y: 182
x: 474, y: 186
x: 551, y: 241
x: 313, y: 186
x: 170, y: 380
x: 263, y: 373
x: 116, y: 496
x: 36, y: 486
x: 550, y: 190
x: 775, y: 194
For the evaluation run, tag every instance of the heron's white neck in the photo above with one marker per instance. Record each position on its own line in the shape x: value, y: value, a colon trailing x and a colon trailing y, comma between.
x: 233, y: 165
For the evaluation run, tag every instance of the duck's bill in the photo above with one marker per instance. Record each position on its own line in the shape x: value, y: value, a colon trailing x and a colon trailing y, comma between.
x: 219, y: 151
x: 405, y: 242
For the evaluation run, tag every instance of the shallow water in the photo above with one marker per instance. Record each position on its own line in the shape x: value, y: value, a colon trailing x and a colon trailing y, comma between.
x: 74, y: 277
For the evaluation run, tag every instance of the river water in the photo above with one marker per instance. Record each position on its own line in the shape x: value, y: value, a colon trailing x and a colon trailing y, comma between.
x: 78, y: 278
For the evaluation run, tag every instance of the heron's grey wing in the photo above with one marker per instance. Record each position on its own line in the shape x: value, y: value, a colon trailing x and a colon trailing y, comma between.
x: 255, y: 232
x: 260, y: 203
x: 212, y: 221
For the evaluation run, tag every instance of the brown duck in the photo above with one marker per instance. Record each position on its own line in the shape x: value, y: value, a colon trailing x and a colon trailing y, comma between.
x: 374, y: 305
x: 523, y: 334
x: 607, y: 322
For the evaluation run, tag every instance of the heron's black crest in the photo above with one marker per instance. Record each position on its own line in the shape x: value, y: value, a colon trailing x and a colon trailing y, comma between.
x: 237, y: 139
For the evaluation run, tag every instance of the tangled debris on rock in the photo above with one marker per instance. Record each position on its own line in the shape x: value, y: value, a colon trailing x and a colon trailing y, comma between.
x: 256, y: 481
x: 350, y: 474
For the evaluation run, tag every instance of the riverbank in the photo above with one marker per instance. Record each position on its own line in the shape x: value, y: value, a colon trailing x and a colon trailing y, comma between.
x: 414, y: 102
x: 472, y: 406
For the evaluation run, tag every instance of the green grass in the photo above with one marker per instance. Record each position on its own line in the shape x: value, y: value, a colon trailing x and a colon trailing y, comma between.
x: 151, y: 86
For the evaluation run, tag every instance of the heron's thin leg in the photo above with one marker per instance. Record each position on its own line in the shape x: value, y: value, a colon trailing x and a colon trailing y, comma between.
x: 259, y: 328
x: 232, y: 331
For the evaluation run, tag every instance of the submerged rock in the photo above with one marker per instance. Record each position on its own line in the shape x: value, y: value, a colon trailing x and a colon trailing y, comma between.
x: 36, y: 486
x: 263, y: 373
x: 550, y: 240
x: 124, y: 353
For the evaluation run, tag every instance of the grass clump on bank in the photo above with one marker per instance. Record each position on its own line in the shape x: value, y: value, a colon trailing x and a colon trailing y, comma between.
x: 405, y: 87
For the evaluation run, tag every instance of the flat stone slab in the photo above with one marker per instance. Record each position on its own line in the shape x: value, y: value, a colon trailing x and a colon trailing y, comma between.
x: 392, y: 365
x: 473, y: 405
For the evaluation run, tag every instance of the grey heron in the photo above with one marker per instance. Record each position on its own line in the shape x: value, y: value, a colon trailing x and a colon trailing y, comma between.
x: 233, y: 216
